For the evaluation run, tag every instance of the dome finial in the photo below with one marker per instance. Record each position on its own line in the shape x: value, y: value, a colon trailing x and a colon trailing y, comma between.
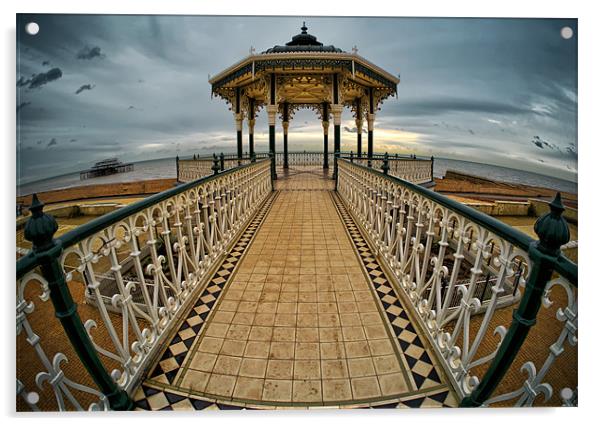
x: 303, y: 28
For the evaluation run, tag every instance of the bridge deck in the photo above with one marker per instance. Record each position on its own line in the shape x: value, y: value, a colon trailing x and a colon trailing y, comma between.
x: 300, y: 314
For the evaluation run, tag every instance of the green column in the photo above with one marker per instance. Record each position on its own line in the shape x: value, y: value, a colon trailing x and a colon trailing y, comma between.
x: 553, y: 232
x: 40, y: 229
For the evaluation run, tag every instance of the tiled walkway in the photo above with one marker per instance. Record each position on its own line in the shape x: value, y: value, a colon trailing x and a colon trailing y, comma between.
x: 303, y: 316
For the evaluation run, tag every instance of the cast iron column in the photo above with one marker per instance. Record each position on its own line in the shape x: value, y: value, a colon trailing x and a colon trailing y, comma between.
x: 285, y: 133
x: 251, y: 119
x: 238, y: 118
x: 359, y: 125
x: 325, y: 125
x: 336, y: 113
x: 371, y: 127
x: 272, y: 109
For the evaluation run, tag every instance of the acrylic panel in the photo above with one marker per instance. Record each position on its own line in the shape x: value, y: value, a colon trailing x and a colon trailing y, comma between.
x: 295, y: 212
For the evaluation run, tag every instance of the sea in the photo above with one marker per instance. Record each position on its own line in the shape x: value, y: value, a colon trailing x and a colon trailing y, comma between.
x: 166, y: 168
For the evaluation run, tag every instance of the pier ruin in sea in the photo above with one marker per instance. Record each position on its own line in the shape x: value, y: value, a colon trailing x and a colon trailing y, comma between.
x: 297, y: 279
x: 106, y: 167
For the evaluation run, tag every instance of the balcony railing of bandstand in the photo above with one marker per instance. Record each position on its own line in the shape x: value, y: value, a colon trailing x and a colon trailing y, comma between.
x: 439, y: 253
x: 413, y: 168
x: 157, y: 254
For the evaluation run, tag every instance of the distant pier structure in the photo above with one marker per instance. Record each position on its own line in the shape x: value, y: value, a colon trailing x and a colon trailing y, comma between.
x: 106, y: 167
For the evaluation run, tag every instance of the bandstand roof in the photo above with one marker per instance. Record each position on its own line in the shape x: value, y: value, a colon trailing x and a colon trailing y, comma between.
x: 304, y: 67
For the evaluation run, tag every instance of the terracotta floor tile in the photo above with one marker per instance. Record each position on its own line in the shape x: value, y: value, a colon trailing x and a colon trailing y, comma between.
x: 221, y: 385
x: 307, y: 369
x: 307, y: 391
x: 252, y: 367
x: 248, y: 388
x: 336, y: 390
x: 279, y: 369
x: 277, y: 390
x: 365, y: 387
x: 227, y: 364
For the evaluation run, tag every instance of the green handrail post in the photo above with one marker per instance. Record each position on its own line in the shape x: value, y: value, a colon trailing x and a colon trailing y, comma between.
x: 385, y: 166
x: 553, y: 231
x: 335, y: 173
x: 177, y: 169
x: 221, y: 162
x: 40, y: 230
x: 215, y: 166
x: 272, y: 167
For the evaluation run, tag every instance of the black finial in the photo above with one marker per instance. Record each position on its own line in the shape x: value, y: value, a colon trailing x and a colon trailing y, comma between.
x: 303, y: 28
x: 40, y: 227
x: 385, y: 165
x: 215, y: 166
x: 552, y: 229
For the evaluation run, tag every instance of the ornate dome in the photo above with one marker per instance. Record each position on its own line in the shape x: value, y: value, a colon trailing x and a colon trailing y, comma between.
x: 303, y: 42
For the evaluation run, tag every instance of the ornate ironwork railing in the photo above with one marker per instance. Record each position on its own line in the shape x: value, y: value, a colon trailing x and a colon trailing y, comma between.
x: 432, y: 244
x: 408, y: 167
x: 189, y: 169
x: 158, y: 252
x: 304, y: 159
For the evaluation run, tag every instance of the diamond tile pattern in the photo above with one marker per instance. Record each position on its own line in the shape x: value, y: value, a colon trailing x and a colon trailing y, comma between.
x: 419, y: 361
x: 173, y: 357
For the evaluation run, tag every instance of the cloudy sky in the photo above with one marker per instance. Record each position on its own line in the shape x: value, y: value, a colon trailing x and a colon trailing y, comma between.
x: 493, y: 91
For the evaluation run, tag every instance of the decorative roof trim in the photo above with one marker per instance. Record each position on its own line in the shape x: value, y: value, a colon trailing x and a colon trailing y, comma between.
x: 246, y: 65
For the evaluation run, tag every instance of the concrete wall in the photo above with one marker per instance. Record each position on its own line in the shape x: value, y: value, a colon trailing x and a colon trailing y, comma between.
x: 101, y: 190
x: 539, y: 207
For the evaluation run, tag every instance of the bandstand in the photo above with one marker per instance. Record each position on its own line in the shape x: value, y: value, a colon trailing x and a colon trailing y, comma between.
x: 304, y: 73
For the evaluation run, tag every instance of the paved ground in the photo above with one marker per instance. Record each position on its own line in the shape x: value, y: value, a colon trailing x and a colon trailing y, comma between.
x: 299, y: 322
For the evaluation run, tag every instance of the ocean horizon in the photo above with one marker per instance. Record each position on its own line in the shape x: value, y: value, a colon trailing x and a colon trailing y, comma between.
x: 165, y: 168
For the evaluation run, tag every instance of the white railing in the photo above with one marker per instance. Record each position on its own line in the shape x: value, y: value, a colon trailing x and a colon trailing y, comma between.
x: 173, y: 239
x: 427, y: 240
x: 415, y: 170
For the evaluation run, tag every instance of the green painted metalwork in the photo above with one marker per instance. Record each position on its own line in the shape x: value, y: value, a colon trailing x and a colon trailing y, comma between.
x: 552, y: 231
x: 40, y: 229
x: 546, y: 257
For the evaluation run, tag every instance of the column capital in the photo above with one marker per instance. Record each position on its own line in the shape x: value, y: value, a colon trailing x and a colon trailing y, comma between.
x: 272, y: 111
x: 358, y: 124
x: 251, y: 126
x: 371, y: 122
x: 325, y: 125
x: 238, y: 118
x: 337, y: 110
x: 285, y: 126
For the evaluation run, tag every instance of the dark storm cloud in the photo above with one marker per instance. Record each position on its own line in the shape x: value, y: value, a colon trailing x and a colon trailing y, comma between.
x: 45, y: 63
x: 471, y: 88
x: 52, y: 142
x: 22, y: 105
x: 38, y: 80
x: 89, y: 53
x: 442, y: 105
x: 84, y: 87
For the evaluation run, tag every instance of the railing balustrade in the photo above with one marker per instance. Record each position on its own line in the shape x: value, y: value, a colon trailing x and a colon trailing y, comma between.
x: 408, y: 167
x: 432, y: 244
x: 156, y: 253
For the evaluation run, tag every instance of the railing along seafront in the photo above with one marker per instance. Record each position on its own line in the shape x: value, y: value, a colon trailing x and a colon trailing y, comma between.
x: 141, y: 267
x: 415, y: 169
x: 438, y: 250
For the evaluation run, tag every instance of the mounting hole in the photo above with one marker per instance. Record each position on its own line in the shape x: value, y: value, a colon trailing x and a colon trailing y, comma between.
x: 566, y: 33
x: 32, y: 28
x: 33, y: 397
